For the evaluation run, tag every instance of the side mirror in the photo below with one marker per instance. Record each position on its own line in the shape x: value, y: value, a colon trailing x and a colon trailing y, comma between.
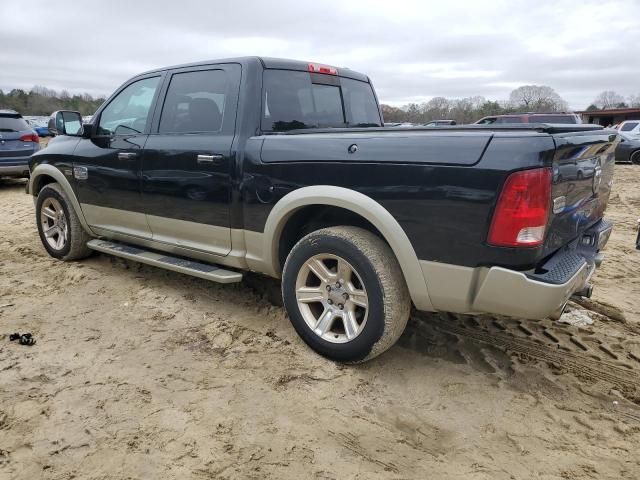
x: 65, y: 122
x: 87, y: 130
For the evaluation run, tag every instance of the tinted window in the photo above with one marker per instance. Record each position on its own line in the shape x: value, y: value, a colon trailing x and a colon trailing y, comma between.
x: 127, y: 113
x: 13, y: 124
x: 487, y: 121
x: 291, y: 100
x: 627, y: 127
x: 194, y: 102
x: 509, y: 120
x: 552, y: 119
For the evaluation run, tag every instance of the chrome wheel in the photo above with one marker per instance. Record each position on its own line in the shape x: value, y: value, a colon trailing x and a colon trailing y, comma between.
x: 332, y: 298
x: 54, y: 223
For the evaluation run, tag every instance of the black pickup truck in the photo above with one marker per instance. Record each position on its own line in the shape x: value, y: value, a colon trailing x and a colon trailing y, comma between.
x: 284, y: 168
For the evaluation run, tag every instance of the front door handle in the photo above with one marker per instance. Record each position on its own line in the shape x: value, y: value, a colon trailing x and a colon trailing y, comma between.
x: 210, y: 159
x: 127, y: 156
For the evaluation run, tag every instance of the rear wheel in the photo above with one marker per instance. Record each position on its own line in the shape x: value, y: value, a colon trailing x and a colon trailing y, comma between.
x: 345, y: 293
x: 59, y: 227
x: 635, y: 158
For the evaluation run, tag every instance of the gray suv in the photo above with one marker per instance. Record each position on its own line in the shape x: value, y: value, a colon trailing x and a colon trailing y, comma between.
x: 18, y: 142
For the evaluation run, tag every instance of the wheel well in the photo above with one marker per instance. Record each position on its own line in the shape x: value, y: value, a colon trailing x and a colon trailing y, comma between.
x: 314, y: 217
x: 40, y: 182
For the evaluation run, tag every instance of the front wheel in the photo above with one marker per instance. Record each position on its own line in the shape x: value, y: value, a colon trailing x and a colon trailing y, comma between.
x: 345, y: 293
x: 59, y: 227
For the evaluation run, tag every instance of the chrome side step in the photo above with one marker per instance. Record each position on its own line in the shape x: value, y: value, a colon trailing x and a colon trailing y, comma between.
x: 175, y: 264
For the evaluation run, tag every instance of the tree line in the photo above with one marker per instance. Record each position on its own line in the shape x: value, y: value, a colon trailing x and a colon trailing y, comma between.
x: 44, y: 101
x: 527, y: 98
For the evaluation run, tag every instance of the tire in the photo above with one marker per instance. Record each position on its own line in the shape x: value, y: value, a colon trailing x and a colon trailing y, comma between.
x: 371, y: 276
x: 73, y: 245
x: 635, y: 158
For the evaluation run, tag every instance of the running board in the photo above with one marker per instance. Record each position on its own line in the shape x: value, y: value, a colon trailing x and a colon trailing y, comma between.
x: 175, y: 264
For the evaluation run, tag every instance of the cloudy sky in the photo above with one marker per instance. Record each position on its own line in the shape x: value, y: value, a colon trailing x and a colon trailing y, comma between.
x: 412, y: 51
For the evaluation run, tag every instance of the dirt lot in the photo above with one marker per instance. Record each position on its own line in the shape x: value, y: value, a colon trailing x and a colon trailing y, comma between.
x: 140, y: 373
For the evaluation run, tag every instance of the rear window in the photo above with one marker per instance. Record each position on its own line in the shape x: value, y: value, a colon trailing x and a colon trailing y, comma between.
x: 552, y: 119
x: 627, y: 127
x: 13, y: 124
x: 294, y: 100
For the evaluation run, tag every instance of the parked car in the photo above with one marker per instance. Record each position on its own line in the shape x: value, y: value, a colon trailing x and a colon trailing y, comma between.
x: 552, y: 118
x: 628, y: 149
x: 40, y: 125
x: 18, y: 141
x: 630, y: 127
x: 395, y: 124
x: 440, y: 123
x: 359, y: 221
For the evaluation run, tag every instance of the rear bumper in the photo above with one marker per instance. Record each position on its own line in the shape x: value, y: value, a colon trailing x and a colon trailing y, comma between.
x: 16, y: 169
x: 534, y: 295
x: 511, y: 293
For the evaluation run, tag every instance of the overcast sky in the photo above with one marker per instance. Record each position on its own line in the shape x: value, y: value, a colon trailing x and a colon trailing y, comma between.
x: 412, y: 51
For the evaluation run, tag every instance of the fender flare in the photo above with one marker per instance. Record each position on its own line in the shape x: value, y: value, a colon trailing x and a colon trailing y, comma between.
x: 359, y: 204
x: 58, y: 176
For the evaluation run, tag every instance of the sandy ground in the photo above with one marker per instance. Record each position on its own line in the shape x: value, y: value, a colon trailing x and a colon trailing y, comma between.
x: 140, y: 373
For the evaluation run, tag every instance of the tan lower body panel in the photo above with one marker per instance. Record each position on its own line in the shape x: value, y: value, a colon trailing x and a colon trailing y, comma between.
x: 211, y: 239
x: 199, y: 236
x: 451, y: 287
x: 130, y: 223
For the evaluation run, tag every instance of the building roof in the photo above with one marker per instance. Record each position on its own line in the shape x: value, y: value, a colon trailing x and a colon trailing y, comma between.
x: 610, y: 111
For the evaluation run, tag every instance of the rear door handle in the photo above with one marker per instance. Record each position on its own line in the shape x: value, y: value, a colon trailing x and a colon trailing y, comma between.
x: 127, y: 156
x: 210, y: 159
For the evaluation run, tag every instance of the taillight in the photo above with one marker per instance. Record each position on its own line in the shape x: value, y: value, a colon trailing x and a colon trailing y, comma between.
x: 522, y: 212
x: 30, y: 137
x: 315, y: 68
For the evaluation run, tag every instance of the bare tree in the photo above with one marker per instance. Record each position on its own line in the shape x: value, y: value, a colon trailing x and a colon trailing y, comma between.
x: 44, y: 91
x: 609, y: 99
x: 537, y: 98
x: 634, y: 100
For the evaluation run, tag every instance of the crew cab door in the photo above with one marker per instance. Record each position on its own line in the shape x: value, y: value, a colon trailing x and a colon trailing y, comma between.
x: 188, y: 159
x: 107, y: 165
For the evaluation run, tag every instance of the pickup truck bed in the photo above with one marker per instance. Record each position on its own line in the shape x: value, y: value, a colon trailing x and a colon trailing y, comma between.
x: 283, y: 168
x: 427, y: 177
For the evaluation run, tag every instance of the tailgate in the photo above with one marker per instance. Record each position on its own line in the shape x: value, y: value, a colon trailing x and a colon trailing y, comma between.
x: 12, y: 146
x: 582, y: 179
